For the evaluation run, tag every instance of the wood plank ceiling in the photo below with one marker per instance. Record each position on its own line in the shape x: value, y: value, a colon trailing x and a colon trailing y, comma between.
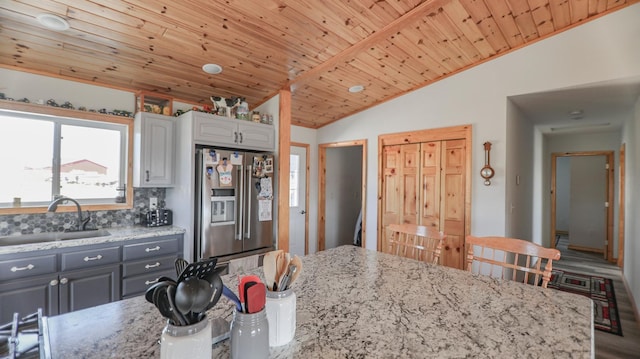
x: 318, y: 49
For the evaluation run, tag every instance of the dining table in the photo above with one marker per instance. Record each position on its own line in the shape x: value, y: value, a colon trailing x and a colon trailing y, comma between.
x: 359, y: 303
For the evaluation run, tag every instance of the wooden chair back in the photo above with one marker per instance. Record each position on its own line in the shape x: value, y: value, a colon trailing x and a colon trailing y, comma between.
x: 415, y: 241
x: 519, y: 259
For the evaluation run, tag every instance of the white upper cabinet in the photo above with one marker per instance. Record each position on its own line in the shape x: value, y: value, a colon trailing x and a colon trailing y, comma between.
x: 221, y: 131
x: 153, y: 150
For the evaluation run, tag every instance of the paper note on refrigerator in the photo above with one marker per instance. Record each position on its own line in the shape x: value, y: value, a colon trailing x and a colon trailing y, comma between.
x: 236, y: 159
x: 266, y: 189
x: 264, y: 210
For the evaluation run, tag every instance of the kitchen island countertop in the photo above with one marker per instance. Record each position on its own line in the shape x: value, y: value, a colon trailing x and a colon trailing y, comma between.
x: 357, y: 303
x: 117, y: 234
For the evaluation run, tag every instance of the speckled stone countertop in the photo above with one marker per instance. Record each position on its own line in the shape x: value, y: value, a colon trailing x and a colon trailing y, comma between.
x: 118, y: 234
x: 357, y: 303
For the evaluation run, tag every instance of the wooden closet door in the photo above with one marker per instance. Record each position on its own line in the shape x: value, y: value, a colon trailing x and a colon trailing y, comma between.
x: 452, y: 206
x: 430, y: 191
x: 410, y: 185
x: 424, y: 183
x: 400, y: 187
x: 391, y: 198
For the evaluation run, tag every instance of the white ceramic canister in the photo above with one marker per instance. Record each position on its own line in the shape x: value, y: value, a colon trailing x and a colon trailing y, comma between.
x: 189, y: 341
x: 249, y: 337
x: 281, y: 314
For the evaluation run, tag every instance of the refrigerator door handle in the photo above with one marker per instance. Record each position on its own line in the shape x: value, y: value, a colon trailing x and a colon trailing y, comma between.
x: 240, y: 209
x: 248, y: 202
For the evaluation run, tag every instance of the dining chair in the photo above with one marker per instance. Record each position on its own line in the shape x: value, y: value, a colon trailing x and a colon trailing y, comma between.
x: 512, y: 258
x: 414, y: 241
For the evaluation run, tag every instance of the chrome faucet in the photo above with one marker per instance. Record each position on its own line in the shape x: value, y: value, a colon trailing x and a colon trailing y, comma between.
x: 82, y: 223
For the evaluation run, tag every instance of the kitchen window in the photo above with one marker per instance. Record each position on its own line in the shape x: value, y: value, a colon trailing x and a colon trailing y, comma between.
x: 45, y: 156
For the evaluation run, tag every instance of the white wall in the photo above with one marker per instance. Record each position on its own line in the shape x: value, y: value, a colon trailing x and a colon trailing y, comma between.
x: 518, y: 176
x: 18, y: 85
x: 604, y: 49
x: 631, y: 270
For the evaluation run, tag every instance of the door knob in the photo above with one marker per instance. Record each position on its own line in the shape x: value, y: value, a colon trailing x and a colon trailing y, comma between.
x: 303, y: 212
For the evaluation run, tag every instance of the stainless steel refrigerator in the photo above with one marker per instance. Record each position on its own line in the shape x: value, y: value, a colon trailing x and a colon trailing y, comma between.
x: 234, y: 203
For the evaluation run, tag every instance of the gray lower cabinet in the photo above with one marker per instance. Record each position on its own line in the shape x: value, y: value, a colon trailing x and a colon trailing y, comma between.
x: 87, y: 288
x: 67, y: 279
x: 27, y: 295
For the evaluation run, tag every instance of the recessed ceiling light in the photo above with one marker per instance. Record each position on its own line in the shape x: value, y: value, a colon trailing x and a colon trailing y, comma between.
x: 53, y: 22
x: 212, y: 68
x: 356, y: 88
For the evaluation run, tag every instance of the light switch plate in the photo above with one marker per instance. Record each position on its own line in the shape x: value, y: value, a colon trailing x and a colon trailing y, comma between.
x: 153, y: 203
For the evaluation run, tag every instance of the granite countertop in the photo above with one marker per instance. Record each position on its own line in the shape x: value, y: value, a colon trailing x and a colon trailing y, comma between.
x: 117, y: 234
x: 357, y: 303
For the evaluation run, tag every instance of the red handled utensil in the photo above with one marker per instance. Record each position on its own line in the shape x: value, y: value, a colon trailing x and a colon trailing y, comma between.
x: 241, y: 287
x: 256, y: 298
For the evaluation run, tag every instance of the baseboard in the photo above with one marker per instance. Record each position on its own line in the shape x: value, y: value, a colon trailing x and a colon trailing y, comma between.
x: 585, y: 249
x: 634, y: 308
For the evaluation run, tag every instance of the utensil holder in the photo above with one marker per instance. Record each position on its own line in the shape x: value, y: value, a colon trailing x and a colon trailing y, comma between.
x: 281, y: 314
x: 249, y: 335
x: 189, y: 341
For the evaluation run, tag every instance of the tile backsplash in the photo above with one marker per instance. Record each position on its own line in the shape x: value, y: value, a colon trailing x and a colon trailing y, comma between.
x: 57, y: 222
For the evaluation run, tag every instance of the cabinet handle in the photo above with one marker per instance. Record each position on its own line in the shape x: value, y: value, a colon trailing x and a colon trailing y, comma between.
x: 63, y: 281
x: 53, y: 283
x: 156, y: 248
x: 240, y: 137
x: 147, y: 282
x: 235, y: 139
x: 152, y: 265
x: 28, y: 267
x: 98, y: 257
x: 147, y: 172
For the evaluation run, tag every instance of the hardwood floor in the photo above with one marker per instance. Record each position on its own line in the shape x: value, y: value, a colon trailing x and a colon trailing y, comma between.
x: 607, y: 345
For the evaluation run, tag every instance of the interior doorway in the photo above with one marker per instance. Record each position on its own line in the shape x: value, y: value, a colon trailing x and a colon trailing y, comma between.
x: 341, y: 199
x: 582, y: 201
x: 299, y: 199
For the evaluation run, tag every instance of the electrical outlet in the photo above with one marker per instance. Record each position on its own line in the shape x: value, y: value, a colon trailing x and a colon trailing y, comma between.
x: 153, y: 203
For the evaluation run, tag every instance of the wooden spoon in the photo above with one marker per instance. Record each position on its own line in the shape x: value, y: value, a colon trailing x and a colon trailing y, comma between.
x: 269, y: 268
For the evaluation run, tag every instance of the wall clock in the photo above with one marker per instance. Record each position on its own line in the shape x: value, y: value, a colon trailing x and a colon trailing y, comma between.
x: 487, y: 172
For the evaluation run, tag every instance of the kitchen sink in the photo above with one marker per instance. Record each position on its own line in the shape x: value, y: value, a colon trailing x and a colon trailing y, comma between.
x: 51, y: 237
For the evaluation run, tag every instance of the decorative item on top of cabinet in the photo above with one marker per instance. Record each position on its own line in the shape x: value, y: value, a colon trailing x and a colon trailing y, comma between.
x: 154, y: 103
x: 153, y: 150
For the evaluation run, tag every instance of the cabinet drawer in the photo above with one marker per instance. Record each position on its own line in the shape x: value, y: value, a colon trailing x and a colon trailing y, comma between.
x: 27, y: 267
x: 90, y: 258
x: 149, y: 265
x: 150, y: 249
x: 139, y: 284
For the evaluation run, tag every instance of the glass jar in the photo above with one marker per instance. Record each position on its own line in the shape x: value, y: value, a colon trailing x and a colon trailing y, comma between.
x: 189, y: 341
x: 249, y: 335
x: 281, y: 314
